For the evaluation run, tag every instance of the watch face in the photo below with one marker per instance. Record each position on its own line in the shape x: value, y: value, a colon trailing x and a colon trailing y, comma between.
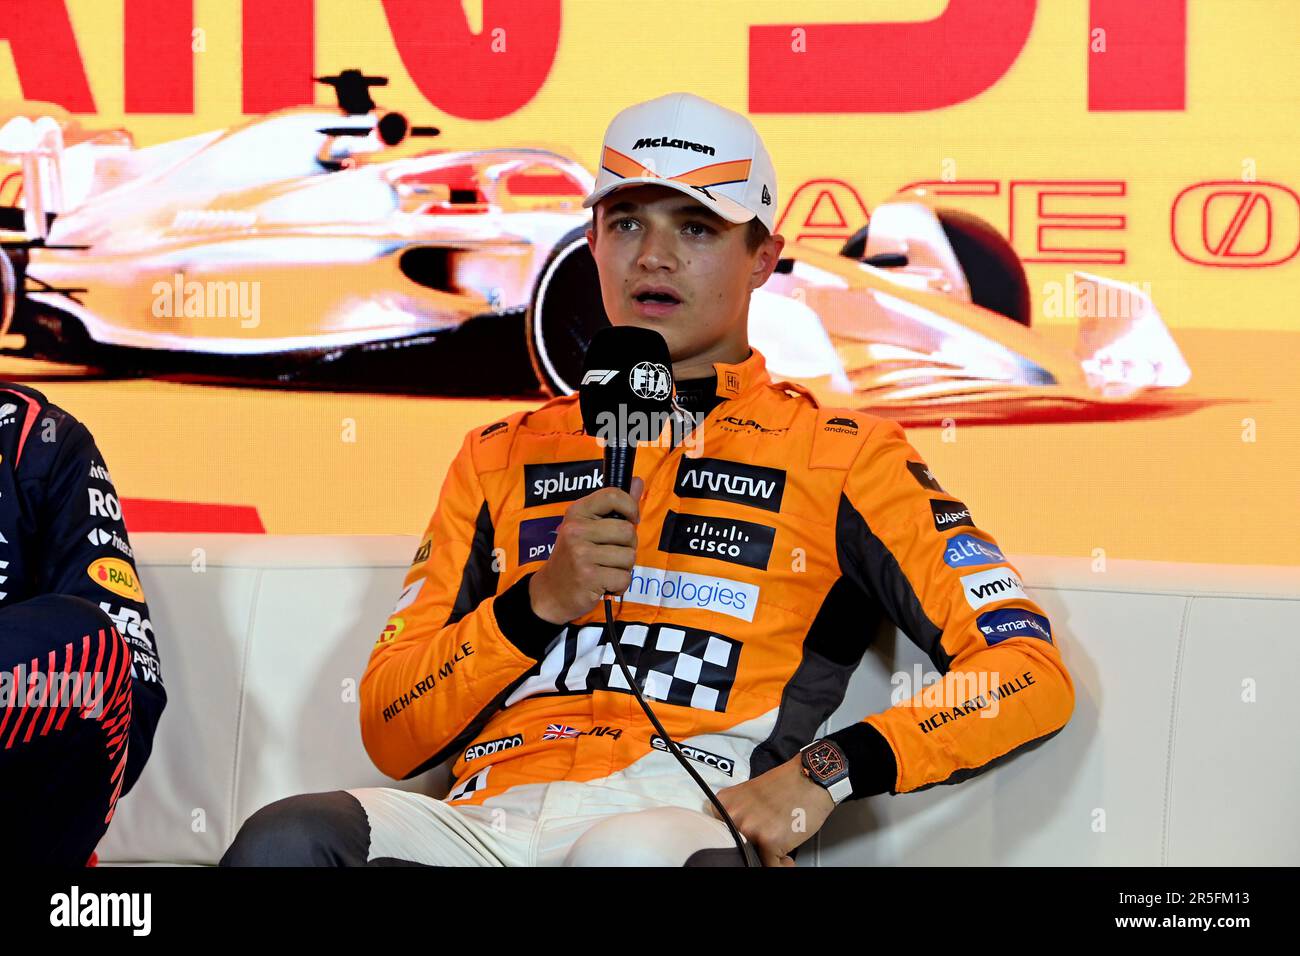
x: 825, y: 761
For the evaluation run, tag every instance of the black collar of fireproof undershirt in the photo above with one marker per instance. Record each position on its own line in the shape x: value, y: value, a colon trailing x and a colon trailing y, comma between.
x: 698, y: 395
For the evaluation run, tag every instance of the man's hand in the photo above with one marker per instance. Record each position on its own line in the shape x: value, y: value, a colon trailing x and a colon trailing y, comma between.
x: 778, y: 810
x: 593, y: 555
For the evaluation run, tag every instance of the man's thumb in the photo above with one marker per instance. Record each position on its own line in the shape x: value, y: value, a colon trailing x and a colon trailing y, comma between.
x: 637, y: 488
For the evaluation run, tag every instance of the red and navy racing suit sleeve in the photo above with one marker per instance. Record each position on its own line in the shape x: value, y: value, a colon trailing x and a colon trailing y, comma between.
x: 948, y: 586
x: 88, y: 554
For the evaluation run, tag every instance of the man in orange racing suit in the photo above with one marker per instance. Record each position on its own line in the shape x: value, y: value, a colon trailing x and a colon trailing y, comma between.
x: 758, y: 554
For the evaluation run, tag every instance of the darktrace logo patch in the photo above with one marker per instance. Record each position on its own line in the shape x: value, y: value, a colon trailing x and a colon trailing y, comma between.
x: 950, y: 514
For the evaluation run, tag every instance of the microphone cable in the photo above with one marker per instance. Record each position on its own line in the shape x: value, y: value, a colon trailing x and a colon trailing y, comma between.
x: 672, y: 744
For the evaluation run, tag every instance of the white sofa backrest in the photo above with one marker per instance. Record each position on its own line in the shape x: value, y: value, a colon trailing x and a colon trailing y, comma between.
x: 1181, y: 750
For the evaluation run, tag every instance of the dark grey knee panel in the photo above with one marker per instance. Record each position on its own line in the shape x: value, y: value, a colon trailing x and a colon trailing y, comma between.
x: 311, y: 829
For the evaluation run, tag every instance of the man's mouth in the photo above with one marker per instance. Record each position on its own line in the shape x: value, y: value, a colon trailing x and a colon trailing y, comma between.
x: 656, y: 301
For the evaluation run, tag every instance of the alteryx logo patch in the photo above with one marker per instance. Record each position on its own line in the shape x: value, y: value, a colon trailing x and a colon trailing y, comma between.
x: 722, y: 480
x: 996, y: 584
x: 727, y: 539
x: 997, y: 626
x: 950, y: 514
x: 537, y: 538
x: 566, y: 481
x: 966, y: 550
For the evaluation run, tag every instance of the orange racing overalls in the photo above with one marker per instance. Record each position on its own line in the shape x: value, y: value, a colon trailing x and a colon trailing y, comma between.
x: 768, y: 548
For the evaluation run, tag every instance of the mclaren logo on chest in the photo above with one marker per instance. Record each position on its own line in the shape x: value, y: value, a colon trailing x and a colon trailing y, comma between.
x: 722, y: 480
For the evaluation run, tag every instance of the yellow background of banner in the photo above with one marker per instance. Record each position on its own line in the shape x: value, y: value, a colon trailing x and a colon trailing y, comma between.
x: 1185, y: 488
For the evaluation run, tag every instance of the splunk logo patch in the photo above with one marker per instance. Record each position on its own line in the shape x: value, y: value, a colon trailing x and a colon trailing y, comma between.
x: 567, y: 481
x: 727, y: 539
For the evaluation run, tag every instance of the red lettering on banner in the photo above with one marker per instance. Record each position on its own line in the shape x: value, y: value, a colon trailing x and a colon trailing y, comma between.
x: 1029, y: 216
x: 965, y: 189
x: 483, y: 75
x: 279, y: 54
x: 1140, y: 61
x: 823, y: 209
x: 1235, y: 225
x: 45, y: 53
x: 956, y: 187
x: 886, y: 67
x: 158, y: 57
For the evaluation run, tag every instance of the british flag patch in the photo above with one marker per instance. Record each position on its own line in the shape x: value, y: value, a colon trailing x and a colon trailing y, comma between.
x: 560, y: 732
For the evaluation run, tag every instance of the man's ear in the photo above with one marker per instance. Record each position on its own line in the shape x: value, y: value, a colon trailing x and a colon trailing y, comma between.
x: 769, y: 254
x: 591, y: 238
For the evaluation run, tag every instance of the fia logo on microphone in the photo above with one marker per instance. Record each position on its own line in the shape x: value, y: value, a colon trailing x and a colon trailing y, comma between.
x: 650, y: 380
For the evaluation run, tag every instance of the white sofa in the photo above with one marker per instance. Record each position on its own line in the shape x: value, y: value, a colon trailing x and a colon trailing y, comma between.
x: 1182, y: 749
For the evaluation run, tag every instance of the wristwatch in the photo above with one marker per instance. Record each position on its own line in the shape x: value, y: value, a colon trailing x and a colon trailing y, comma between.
x: 824, y: 763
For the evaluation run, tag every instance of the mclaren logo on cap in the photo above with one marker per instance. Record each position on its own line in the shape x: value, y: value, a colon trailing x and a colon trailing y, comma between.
x: 661, y: 141
x: 714, y: 174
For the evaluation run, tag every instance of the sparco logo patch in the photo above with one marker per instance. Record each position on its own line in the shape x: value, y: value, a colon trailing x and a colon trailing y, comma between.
x: 723, y: 480
x: 725, y: 764
x: 659, y: 142
x: 950, y: 514
x: 488, y: 747
x: 727, y: 539
x: 567, y: 481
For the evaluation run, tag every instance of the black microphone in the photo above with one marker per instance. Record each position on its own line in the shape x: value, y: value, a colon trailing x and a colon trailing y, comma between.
x: 625, y: 395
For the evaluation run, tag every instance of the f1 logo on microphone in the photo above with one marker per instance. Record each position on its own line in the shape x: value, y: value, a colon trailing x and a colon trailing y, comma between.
x: 600, y: 376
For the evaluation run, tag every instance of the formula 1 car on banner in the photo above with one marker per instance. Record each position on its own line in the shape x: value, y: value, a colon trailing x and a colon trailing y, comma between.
x: 319, y: 246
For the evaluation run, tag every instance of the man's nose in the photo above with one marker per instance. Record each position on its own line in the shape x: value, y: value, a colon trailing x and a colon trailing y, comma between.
x: 656, y: 250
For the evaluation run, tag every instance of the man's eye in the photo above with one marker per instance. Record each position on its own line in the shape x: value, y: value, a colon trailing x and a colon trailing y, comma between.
x: 618, y: 223
x: 703, y: 229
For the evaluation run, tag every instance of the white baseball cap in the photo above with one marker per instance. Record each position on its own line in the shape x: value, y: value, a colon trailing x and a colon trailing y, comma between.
x: 683, y: 141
